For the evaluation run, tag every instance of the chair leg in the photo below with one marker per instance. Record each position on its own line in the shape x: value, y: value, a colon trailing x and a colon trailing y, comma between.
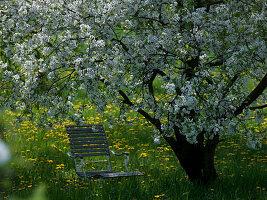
x: 126, y: 162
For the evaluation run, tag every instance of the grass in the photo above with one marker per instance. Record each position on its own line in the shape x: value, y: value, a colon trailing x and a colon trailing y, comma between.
x: 39, y: 158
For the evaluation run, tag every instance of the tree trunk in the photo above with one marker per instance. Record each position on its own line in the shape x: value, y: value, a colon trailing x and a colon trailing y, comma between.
x: 196, y: 159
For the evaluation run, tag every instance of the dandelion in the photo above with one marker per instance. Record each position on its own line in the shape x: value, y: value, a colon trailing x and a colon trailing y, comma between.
x: 32, y: 159
x: 143, y: 155
x: 158, y: 196
x: 60, y: 166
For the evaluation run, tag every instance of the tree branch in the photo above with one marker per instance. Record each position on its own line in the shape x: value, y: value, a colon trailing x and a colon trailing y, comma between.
x: 230, y: 84
x: 252, y: 96
x: 122, y: 44
x: 208, y: 3
x: 162, y: 73
x: 216, y: 63
x: 127, y: 101
x: 150, y: 83
x: 258, y: 107
x: 190, y: 66
x: 153, y: 19
x: 172, y: 142
x: 154, y: 121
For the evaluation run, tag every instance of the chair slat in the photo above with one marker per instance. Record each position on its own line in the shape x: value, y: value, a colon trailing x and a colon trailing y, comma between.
x: 88, y: 139
x: 85, y: 130
x: 88, y: 143
x: 89, y: 147
x: 85, y: 125
x: 92, y: 154
x: 86, y: 135
x: 88, y: 150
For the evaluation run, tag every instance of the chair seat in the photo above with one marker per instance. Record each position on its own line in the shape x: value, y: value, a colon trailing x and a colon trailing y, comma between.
x: 121, y: 174
x: 108, y: 174
x: 94, y: 173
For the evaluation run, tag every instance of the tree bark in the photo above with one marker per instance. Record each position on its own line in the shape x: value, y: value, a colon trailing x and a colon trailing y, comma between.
x: 196, y: 159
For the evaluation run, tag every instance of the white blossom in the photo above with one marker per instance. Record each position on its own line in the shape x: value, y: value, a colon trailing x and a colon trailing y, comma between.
x: 156, y: 139
x: 176, y: 63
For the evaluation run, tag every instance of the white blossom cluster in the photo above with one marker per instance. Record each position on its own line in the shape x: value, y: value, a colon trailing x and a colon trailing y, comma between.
x: 51, y: 49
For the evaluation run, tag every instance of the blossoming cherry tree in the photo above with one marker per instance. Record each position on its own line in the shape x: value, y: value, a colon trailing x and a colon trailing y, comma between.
x: 183, y: 65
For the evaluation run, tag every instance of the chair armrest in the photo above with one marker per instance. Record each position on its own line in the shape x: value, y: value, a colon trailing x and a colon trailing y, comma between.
x: 126, y: 161
x: 119, y: 154
x: 78, y: 164
x: 70, y: 155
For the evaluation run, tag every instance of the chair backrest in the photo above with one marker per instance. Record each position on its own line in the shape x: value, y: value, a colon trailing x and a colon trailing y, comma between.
x: 87, y: 140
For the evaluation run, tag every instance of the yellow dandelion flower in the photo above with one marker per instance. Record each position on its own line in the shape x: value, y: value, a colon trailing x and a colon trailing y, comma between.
x: 143, y: 155
x: 160, y: 195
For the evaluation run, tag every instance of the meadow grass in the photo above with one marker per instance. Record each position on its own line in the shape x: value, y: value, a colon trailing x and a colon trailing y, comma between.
x: 39, y: 158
